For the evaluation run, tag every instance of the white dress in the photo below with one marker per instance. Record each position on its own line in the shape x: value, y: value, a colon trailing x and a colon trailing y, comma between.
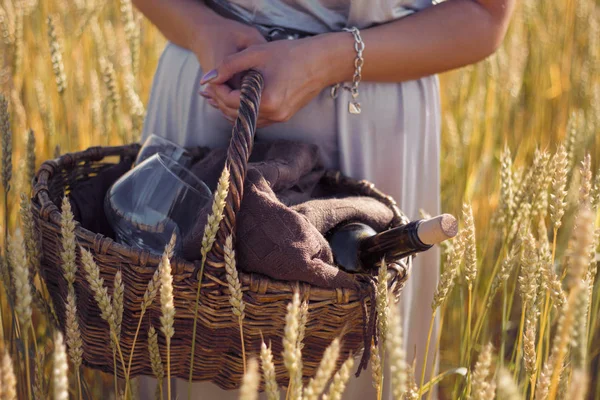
x: 394, y: 142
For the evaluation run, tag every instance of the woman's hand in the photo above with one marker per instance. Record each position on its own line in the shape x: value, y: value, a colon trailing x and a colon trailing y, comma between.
x: 294, y: 73
x: 220, y: 39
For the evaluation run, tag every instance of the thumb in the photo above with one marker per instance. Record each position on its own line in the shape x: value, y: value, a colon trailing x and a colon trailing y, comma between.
x: 230, y: 66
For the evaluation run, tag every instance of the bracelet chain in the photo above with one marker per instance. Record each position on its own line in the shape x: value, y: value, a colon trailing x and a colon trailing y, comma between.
x: 359, y: 46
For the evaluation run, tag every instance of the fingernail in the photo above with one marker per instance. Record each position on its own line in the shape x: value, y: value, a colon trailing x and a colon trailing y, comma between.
x: 204, y: 94
x: 209, y: 76
x: 213, y: 103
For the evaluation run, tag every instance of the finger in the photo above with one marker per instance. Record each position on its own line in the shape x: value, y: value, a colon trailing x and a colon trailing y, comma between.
x: 231, y: 65
x: 229, y: 112
x: 225, y: 95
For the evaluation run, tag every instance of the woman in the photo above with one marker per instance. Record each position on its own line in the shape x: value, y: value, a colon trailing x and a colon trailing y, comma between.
x: 385, y: 130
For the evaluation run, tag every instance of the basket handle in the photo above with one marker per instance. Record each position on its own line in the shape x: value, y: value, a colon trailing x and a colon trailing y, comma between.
x: 240, y: 148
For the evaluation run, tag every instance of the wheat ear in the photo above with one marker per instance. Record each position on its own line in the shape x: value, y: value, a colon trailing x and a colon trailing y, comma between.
x: 38, y: 385
x: 268, y: 367
x: 148, y: 299
x: 67, y: 230
x: 479, y: 378
x: 155, y: 360
x: 579, y: 246
x: 8, y: 378
x: 22, y: 291
x: 579, y: 384
x: 235, y: 291
x: 292, y: 356
x: 382, y: 306
x: 6, y: 138
x: 167, y: 306
x: 74, y: 343
x: 326, y: 368
x: 507, y: 389
x: 559, y: 185
x: 337, y: 387
x: 376, y: 369
x: 31, y: 235
x: 30, y: 160
x: 210, y: 233
x: 60, y: 368
x: 586, y: 179
x: 397, y: 356
x: 104, y: 301
x: 251, y: 381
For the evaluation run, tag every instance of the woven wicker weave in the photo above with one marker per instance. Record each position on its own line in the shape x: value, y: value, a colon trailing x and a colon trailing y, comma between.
x: 218, y: 350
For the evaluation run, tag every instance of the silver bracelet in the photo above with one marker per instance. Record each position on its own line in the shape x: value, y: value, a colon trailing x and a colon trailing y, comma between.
x: 359, y: 46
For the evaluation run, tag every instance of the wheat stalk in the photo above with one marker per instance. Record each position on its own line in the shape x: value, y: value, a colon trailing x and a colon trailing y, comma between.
x: 326, y: 367
x: 268, y: 367
x: 338, y: 385
x: 167, y: 306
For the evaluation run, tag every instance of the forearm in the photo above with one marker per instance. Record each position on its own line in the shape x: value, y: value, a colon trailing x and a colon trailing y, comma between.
x: 179, y: 20
x: 440, y: 38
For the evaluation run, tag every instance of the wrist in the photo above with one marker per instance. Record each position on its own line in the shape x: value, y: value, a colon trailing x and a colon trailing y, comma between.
x: 204, y: 29
x: 335, y: 56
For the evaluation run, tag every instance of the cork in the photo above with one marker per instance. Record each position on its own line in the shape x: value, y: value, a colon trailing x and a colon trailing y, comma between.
x: 437, y: 229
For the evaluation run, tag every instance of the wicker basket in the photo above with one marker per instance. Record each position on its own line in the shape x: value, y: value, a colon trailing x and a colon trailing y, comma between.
x: 218, y: 350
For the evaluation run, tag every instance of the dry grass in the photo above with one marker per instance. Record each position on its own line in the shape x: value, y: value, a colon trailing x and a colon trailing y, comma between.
x: 520, y: 145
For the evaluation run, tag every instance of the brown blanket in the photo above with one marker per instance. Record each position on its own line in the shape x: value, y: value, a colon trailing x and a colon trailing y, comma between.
x: 280, y: 228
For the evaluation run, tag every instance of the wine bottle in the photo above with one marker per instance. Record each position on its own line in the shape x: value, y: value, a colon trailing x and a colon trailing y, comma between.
x: 357, y: 247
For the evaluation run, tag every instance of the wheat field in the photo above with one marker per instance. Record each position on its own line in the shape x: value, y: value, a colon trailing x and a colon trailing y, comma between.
x: 520, y: 167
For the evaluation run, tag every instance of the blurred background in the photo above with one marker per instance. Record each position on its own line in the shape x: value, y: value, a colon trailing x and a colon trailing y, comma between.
x: 78, y: 73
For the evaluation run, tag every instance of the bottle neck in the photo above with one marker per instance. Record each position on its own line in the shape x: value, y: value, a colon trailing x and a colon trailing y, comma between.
x: 393, y: 244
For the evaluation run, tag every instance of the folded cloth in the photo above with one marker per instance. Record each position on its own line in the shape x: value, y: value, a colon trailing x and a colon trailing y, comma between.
x: 280, y: 229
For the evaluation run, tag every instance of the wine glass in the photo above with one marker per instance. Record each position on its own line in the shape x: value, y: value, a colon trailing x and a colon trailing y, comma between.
x: 152, y: 201
x: 156, y: 144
